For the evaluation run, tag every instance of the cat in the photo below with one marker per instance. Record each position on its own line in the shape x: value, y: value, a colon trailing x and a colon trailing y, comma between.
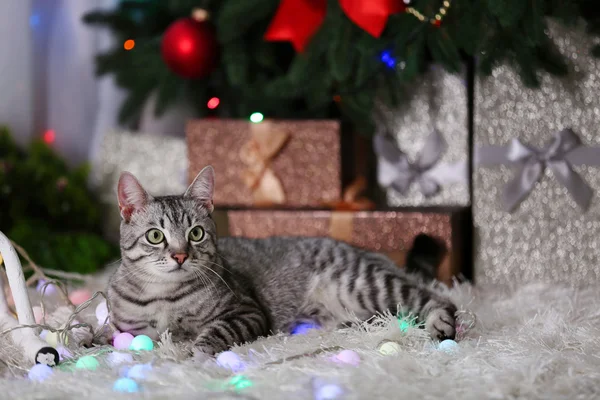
x: 176, y: 275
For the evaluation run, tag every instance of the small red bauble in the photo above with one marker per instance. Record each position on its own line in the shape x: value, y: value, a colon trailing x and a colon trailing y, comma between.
x: 189, y: 48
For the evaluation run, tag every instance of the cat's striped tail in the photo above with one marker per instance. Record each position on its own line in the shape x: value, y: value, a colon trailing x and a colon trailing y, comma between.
x: 425, y: 257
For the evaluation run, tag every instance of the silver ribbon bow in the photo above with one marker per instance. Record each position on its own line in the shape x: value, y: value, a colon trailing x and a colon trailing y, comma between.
x: 397, y: 172
x: 533, y: 163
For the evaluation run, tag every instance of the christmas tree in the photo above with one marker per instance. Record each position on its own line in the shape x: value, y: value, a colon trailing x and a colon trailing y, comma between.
x: 317, y: 58
x: 48, y: 210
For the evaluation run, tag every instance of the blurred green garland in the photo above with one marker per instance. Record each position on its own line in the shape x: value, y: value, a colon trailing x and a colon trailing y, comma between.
x: 48, y: 210
x: 341, y: 59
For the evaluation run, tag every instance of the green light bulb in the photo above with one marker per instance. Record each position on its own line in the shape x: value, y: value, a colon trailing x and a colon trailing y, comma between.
x: 256, y: 117
x: 240, y: 382
x: 404, y: 325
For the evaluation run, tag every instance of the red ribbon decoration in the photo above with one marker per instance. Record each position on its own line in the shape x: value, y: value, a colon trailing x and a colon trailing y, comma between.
x: 298, y: 20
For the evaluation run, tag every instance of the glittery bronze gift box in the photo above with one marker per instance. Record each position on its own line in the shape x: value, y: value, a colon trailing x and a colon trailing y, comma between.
x: 280, y: 162
x: 390, y: 232
x: 549, y: 232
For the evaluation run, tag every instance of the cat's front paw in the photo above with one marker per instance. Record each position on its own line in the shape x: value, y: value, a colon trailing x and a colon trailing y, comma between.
x: 441, y: 322
x: 205, y: 348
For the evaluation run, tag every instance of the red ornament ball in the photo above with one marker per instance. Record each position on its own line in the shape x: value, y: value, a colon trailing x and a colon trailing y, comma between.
x: 189, y: 48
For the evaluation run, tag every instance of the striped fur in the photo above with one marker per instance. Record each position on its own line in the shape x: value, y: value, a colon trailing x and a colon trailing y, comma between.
x: 233, y: 290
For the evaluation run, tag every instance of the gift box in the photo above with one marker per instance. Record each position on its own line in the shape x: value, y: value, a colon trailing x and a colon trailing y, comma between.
x: 159, y: 163
x: 390, y: 232
x: 284, y: 163
x: 423, y: 146
x: 537, y: 174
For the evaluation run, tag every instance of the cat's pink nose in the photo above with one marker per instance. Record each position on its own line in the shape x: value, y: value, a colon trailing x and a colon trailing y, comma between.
x: 179, y: 257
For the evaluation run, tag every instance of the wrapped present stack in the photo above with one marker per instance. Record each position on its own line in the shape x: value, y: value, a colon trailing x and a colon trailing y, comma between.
x: 537, y: 173
x: 284, y: 178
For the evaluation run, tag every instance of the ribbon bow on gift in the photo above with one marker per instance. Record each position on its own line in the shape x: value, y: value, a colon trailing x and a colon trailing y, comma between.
x: 341, y: 224
x: 534, y: 161
x: 298, y: 20
x: 353, y: 198
x: 397, y: 172
x: 264, y: 144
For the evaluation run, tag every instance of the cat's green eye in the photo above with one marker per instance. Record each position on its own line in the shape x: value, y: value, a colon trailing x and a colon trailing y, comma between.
x: 155, y: 236
x: 196, y: 234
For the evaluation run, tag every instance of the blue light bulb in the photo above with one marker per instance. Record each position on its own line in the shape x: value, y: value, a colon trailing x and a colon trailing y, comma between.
x: 230, y: 360
x: 387, y: 59
x: 40, y: 372
x: 34, y: 20
x: 303, y: 328
x: 125, y: 385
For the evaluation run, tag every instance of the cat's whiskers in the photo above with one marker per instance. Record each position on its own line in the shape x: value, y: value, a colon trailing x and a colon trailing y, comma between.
x: 205, y: 280
x: 132, y: 270
x: 140, y: 273
x: 148, y: 283
x: 228, y: 261
x: 220, y: 277
x: 197, y: 275
x: 196, y: 272
x: 115, y: 262
x: 220, y: 266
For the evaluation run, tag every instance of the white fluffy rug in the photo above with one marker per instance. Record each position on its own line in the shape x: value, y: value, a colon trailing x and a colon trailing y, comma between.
x: 535, y: 342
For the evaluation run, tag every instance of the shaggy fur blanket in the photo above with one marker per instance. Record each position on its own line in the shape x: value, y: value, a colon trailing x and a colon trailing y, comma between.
x: 533, y: 342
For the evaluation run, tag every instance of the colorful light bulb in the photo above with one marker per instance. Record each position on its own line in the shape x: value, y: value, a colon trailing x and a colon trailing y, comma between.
x: 122, y: 341
x: 213, y: 103
x: 125, y: 385
x: 230, y: 360
x: 256, y: 117
x: 87, y: 362
x: 129, y: 44
x: 39, y: 372
x: 304, y: 327
x: 141, y: 343
x: 49, y: 136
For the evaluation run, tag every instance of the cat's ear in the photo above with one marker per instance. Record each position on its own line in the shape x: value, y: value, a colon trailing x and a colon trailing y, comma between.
x: 202, y: 188
x: 132, y: 196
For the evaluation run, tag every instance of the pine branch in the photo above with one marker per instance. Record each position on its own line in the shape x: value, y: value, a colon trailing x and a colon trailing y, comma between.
x: 340, y: 59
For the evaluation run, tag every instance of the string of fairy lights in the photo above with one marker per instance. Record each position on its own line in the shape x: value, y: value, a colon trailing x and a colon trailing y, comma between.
x: 436, y: 20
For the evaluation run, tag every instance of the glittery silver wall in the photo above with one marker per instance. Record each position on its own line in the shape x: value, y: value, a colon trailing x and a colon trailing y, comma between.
x: 439, y: 101
x: 159, y: 162
x: 548, y: 237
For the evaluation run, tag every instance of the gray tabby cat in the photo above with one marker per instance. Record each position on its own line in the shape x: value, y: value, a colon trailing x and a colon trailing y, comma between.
x: 175, y: 274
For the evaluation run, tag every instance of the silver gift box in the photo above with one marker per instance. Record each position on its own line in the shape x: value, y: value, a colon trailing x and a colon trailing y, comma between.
x: 159, y: 162
x: 436, y: 103
x: 553, y: 233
